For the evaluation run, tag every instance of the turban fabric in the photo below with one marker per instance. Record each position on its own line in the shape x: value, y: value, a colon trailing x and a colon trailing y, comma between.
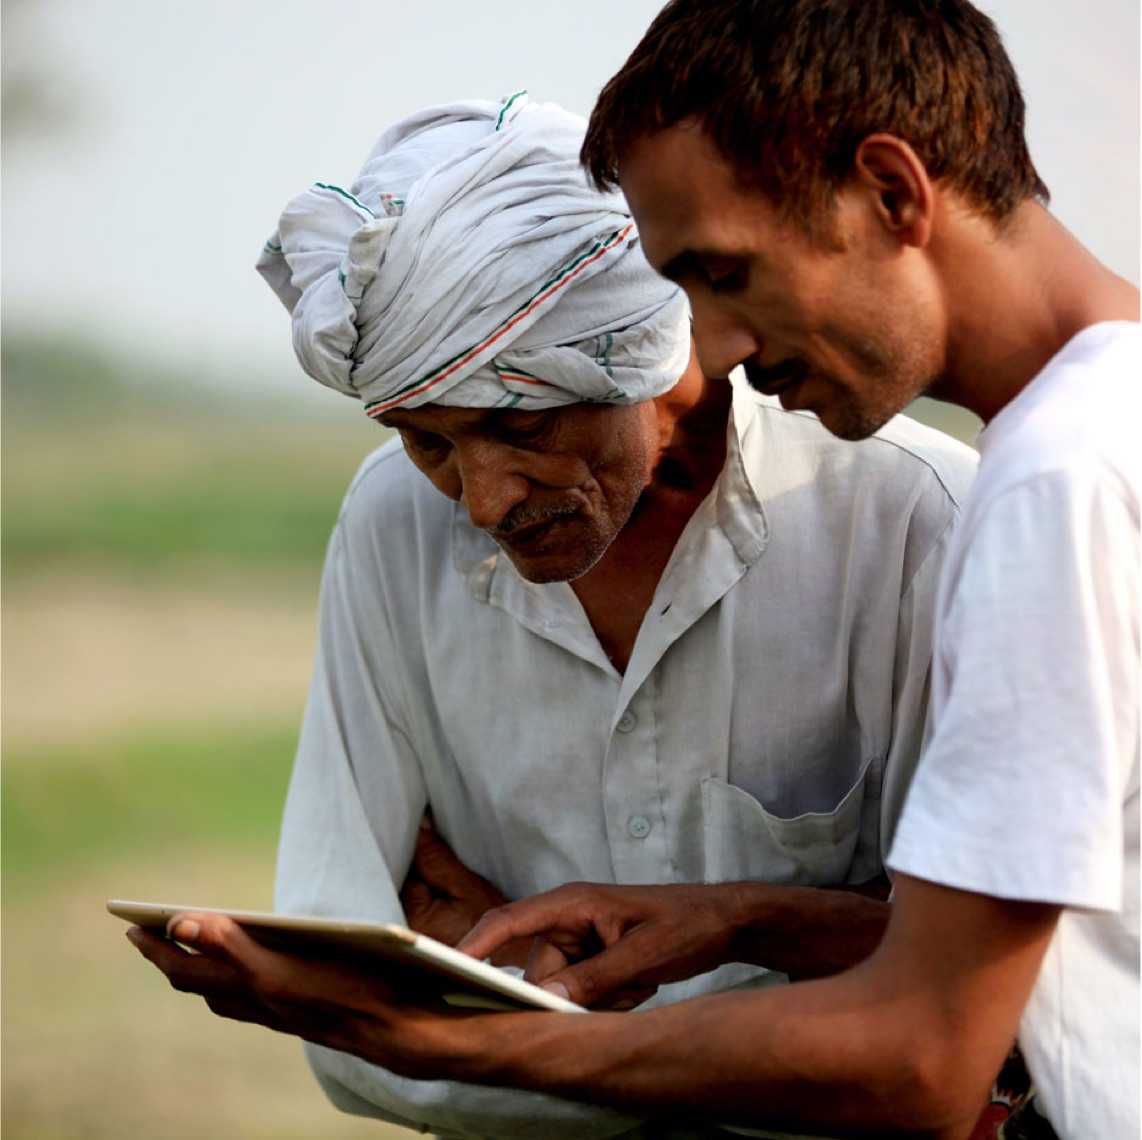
x: 471, y: 264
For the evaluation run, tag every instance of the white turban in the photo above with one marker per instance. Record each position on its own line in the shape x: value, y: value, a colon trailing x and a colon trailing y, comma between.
x: 472, y: 264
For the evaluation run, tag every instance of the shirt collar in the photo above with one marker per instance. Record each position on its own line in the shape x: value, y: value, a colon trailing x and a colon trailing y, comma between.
x: 739, y: 496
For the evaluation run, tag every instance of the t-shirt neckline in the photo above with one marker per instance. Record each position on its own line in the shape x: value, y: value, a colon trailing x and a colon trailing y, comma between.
x: 1086, y: 339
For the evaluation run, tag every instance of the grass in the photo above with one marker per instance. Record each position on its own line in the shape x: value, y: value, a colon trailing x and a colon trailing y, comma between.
x: 150, y: 529
x: 184, y: 814
x: 115, y: 464
x: 157, y: 496
x: 71, y: 807
x: 97, y: 1044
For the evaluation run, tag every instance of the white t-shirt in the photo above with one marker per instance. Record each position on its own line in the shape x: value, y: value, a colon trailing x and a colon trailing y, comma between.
x: 1028, y: 787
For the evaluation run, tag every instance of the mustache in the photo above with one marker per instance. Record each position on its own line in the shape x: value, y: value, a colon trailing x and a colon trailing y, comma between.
x: 525, y: 515
x: 780, y: 373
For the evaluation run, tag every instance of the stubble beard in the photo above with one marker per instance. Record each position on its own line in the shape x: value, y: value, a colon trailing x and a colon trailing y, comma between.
x: 894, y: 374
x: 587, y: 556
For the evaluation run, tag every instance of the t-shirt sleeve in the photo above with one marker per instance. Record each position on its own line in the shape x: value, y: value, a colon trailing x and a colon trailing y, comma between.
x: 1034, y: 745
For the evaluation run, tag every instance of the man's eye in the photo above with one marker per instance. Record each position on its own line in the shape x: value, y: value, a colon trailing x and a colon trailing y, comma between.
x: 424, y: 442
x: 723, y: 278
x: 526, y: 428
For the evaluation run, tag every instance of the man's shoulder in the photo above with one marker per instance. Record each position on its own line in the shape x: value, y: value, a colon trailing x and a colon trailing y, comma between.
x: 952, y: 463
x: 901, y: 456
x: 1076, y: 420
x: 388, y: 491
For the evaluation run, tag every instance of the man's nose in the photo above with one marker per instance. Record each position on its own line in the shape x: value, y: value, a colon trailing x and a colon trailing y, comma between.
x: 723, y: 339
x: 490, y: 484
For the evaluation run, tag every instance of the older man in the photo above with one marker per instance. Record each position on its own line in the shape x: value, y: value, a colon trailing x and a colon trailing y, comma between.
x: 610, y: 617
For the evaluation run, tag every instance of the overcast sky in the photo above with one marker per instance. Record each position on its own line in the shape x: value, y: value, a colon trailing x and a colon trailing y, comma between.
x: 164, y: 137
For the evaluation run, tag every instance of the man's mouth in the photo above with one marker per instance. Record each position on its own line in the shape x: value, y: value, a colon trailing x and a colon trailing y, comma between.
x: 524, y: 527
x: 777, y: 378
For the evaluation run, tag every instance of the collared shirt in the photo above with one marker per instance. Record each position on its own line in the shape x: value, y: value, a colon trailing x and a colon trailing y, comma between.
x: 765, y: 728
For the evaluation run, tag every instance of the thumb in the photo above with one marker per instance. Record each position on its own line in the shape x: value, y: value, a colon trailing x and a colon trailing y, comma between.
x: 598, y: 980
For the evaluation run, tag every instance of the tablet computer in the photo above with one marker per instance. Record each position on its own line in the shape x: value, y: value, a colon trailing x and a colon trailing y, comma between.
x: 411, y: 961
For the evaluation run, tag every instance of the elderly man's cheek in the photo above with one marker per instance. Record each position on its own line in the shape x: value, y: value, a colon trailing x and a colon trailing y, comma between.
x: 559, y: 469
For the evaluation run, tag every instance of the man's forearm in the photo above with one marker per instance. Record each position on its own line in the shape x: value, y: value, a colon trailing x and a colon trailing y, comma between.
x: 805, y: 932
x: 907, y: 1041
x: 811, y: 1056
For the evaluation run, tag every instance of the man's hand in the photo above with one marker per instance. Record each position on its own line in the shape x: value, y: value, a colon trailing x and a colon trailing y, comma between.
x: 444, y: 899
x: 608, y: 945
x: 340, y: 1004
x: 611, y: 945
x: 441, y: 897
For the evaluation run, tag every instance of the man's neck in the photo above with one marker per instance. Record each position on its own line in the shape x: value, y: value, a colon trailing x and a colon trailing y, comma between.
x: 692, y: 419
x: 615, y: 593
x: 1015, y: 300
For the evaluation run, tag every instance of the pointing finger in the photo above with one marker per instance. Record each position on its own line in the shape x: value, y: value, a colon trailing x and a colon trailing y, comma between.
x: 539, y: 915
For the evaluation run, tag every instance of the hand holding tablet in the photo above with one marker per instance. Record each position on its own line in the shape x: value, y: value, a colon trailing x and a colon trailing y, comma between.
x: 437, y: 971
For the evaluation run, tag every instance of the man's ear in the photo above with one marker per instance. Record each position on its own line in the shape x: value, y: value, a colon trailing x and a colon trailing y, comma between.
x: 902, y: 193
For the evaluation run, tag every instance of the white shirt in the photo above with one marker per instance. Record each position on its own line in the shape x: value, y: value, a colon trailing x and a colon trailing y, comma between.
x: 1028, y: 788
x: 766, y: 726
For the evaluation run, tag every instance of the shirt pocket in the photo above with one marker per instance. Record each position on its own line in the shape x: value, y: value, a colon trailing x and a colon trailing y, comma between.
x: 743, y: 840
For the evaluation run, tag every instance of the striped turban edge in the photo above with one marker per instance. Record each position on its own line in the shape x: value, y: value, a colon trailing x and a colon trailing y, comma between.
x: 471, y: 264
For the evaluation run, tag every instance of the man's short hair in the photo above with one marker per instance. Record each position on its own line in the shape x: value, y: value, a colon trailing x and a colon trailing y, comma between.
x: 787, y: 89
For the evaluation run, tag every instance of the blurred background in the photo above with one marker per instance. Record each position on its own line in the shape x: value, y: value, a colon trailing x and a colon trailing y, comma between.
x: 170, y: 476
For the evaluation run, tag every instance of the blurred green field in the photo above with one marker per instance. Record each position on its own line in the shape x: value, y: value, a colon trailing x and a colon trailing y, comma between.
x: 193, y: 492
x: 117, y: 798
x: 162, y: 550
x: 126, y: 476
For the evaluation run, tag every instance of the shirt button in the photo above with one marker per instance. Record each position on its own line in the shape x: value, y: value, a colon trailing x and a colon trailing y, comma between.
x: 627, y: 721
x: 639, y: 826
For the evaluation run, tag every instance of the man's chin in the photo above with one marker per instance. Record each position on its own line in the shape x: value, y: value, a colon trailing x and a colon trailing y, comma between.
x: 555, y: 565
x: 542, y: 570
x: 854, y: 422
x: 562, y: 551
x: 847, y: 424
x: 852, y: 429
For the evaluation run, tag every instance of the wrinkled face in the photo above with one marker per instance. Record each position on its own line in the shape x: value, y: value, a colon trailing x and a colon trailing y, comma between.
x: 851, y: 329
x: 553, y: 487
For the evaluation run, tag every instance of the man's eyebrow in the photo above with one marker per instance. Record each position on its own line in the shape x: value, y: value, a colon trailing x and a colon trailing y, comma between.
x: 397, y: 419
x: 393, y: 419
